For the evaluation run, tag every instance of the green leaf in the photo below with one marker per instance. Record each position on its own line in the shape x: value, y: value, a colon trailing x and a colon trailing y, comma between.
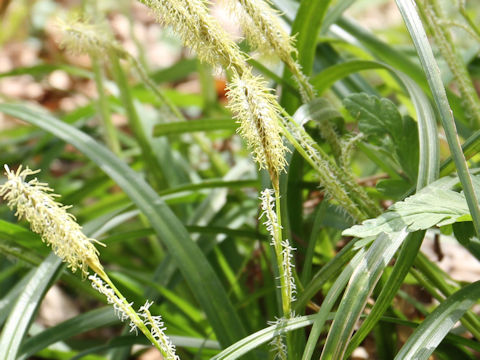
x: 430, y: 67
x: 45, y: 69
x: 464, y: 232
x: 403, y: 262
x: 319, y: 109
x: 261, y: 337
x: 305, y: 28
x: 333, y: 293
x: 19, y: 235
x: 77, y: 325
x: 194, y: 125
x: 190, y: 260
x: 364, y: 278
x: 378, y: 117
x: 435, y: 204
x: 421, y: 344
x: 392, y: 188
x: 26, y: 306
x: 426, y: 121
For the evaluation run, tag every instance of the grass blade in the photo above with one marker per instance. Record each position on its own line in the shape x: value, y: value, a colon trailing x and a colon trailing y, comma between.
x: 71, y: 327
x: 432, y: 72
x: 436, y: 326
x: 26, y: 306
x: 190, y: 260
x: 400, y: 270
x: 261, y: 337
x: 361, y: 285
x: 194, y: 125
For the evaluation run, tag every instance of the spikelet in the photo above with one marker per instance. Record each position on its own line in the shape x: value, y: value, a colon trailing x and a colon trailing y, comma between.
x: 36, y: 204
x: 256, y: 110
x: 283, y: 250
x: 267, y: 198
x: 287, y: 252
x: 263, y: 29
x: 157, y: 328
x: 122, y: 308
x: 79, y: 36
x: 191, y: 20
x: 278, y: 346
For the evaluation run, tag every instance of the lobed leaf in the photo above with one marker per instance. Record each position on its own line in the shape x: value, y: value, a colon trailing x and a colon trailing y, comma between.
x: 434, y: 205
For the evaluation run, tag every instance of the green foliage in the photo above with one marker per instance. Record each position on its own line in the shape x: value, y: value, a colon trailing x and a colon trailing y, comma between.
x: 435, y: 205
x: 380, y: 117
x: 155, y: 167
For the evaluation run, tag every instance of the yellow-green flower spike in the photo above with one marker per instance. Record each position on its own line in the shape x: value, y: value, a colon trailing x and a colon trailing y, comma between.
x: 35, y: 203
x: 191, y: 20
x: 79, y: 36
x: 256, y: 110
x: 263, y: 29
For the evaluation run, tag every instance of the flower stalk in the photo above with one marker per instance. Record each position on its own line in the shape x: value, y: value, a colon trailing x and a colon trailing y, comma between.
x: 282, y: 248
x: 432, y: 14
x: 35, y: 202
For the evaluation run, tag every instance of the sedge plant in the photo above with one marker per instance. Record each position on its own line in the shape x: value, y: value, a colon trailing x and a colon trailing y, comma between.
x: 35, y: 202
x: 330, y: 225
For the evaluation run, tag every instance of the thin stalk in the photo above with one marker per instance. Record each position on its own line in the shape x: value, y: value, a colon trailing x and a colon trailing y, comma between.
x: 315, y: 152
x: 432, y: 72
x: 277, y: 242
x: 134, y: 120
x: 468, y: 19
x: 134, y: 317
x: 447, y: 48
x: 327, y: 179
x: 109, y: 131
x: 153, y: 87
x: 219, y: 165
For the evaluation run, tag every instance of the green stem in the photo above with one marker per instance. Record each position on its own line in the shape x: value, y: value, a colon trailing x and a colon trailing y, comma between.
x: 133, y: 316
x: 447, y: 48
x: 432, y: 72
x: 219, y: 165
x: 277, y: 246
x: 109, y: 131
x: 134, y: 121
x: 468, y: 19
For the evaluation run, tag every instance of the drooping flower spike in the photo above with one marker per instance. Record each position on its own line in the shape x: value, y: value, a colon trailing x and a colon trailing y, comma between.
x: 263, y: 29
x: 256, y: 111
x: 191, y: 20
x: 35, y: 202
x: 80, y: 36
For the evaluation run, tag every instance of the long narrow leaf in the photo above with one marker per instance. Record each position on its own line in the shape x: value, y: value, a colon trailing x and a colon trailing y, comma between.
x: 415, y: 28
x: 361, y: 285
x: 63, y: 331
x: 195, y: 268
x: 330, y: 300
x: 261, y: 337
x: 400, y: 270
x: 26, y: 306
x: 421, y: 344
